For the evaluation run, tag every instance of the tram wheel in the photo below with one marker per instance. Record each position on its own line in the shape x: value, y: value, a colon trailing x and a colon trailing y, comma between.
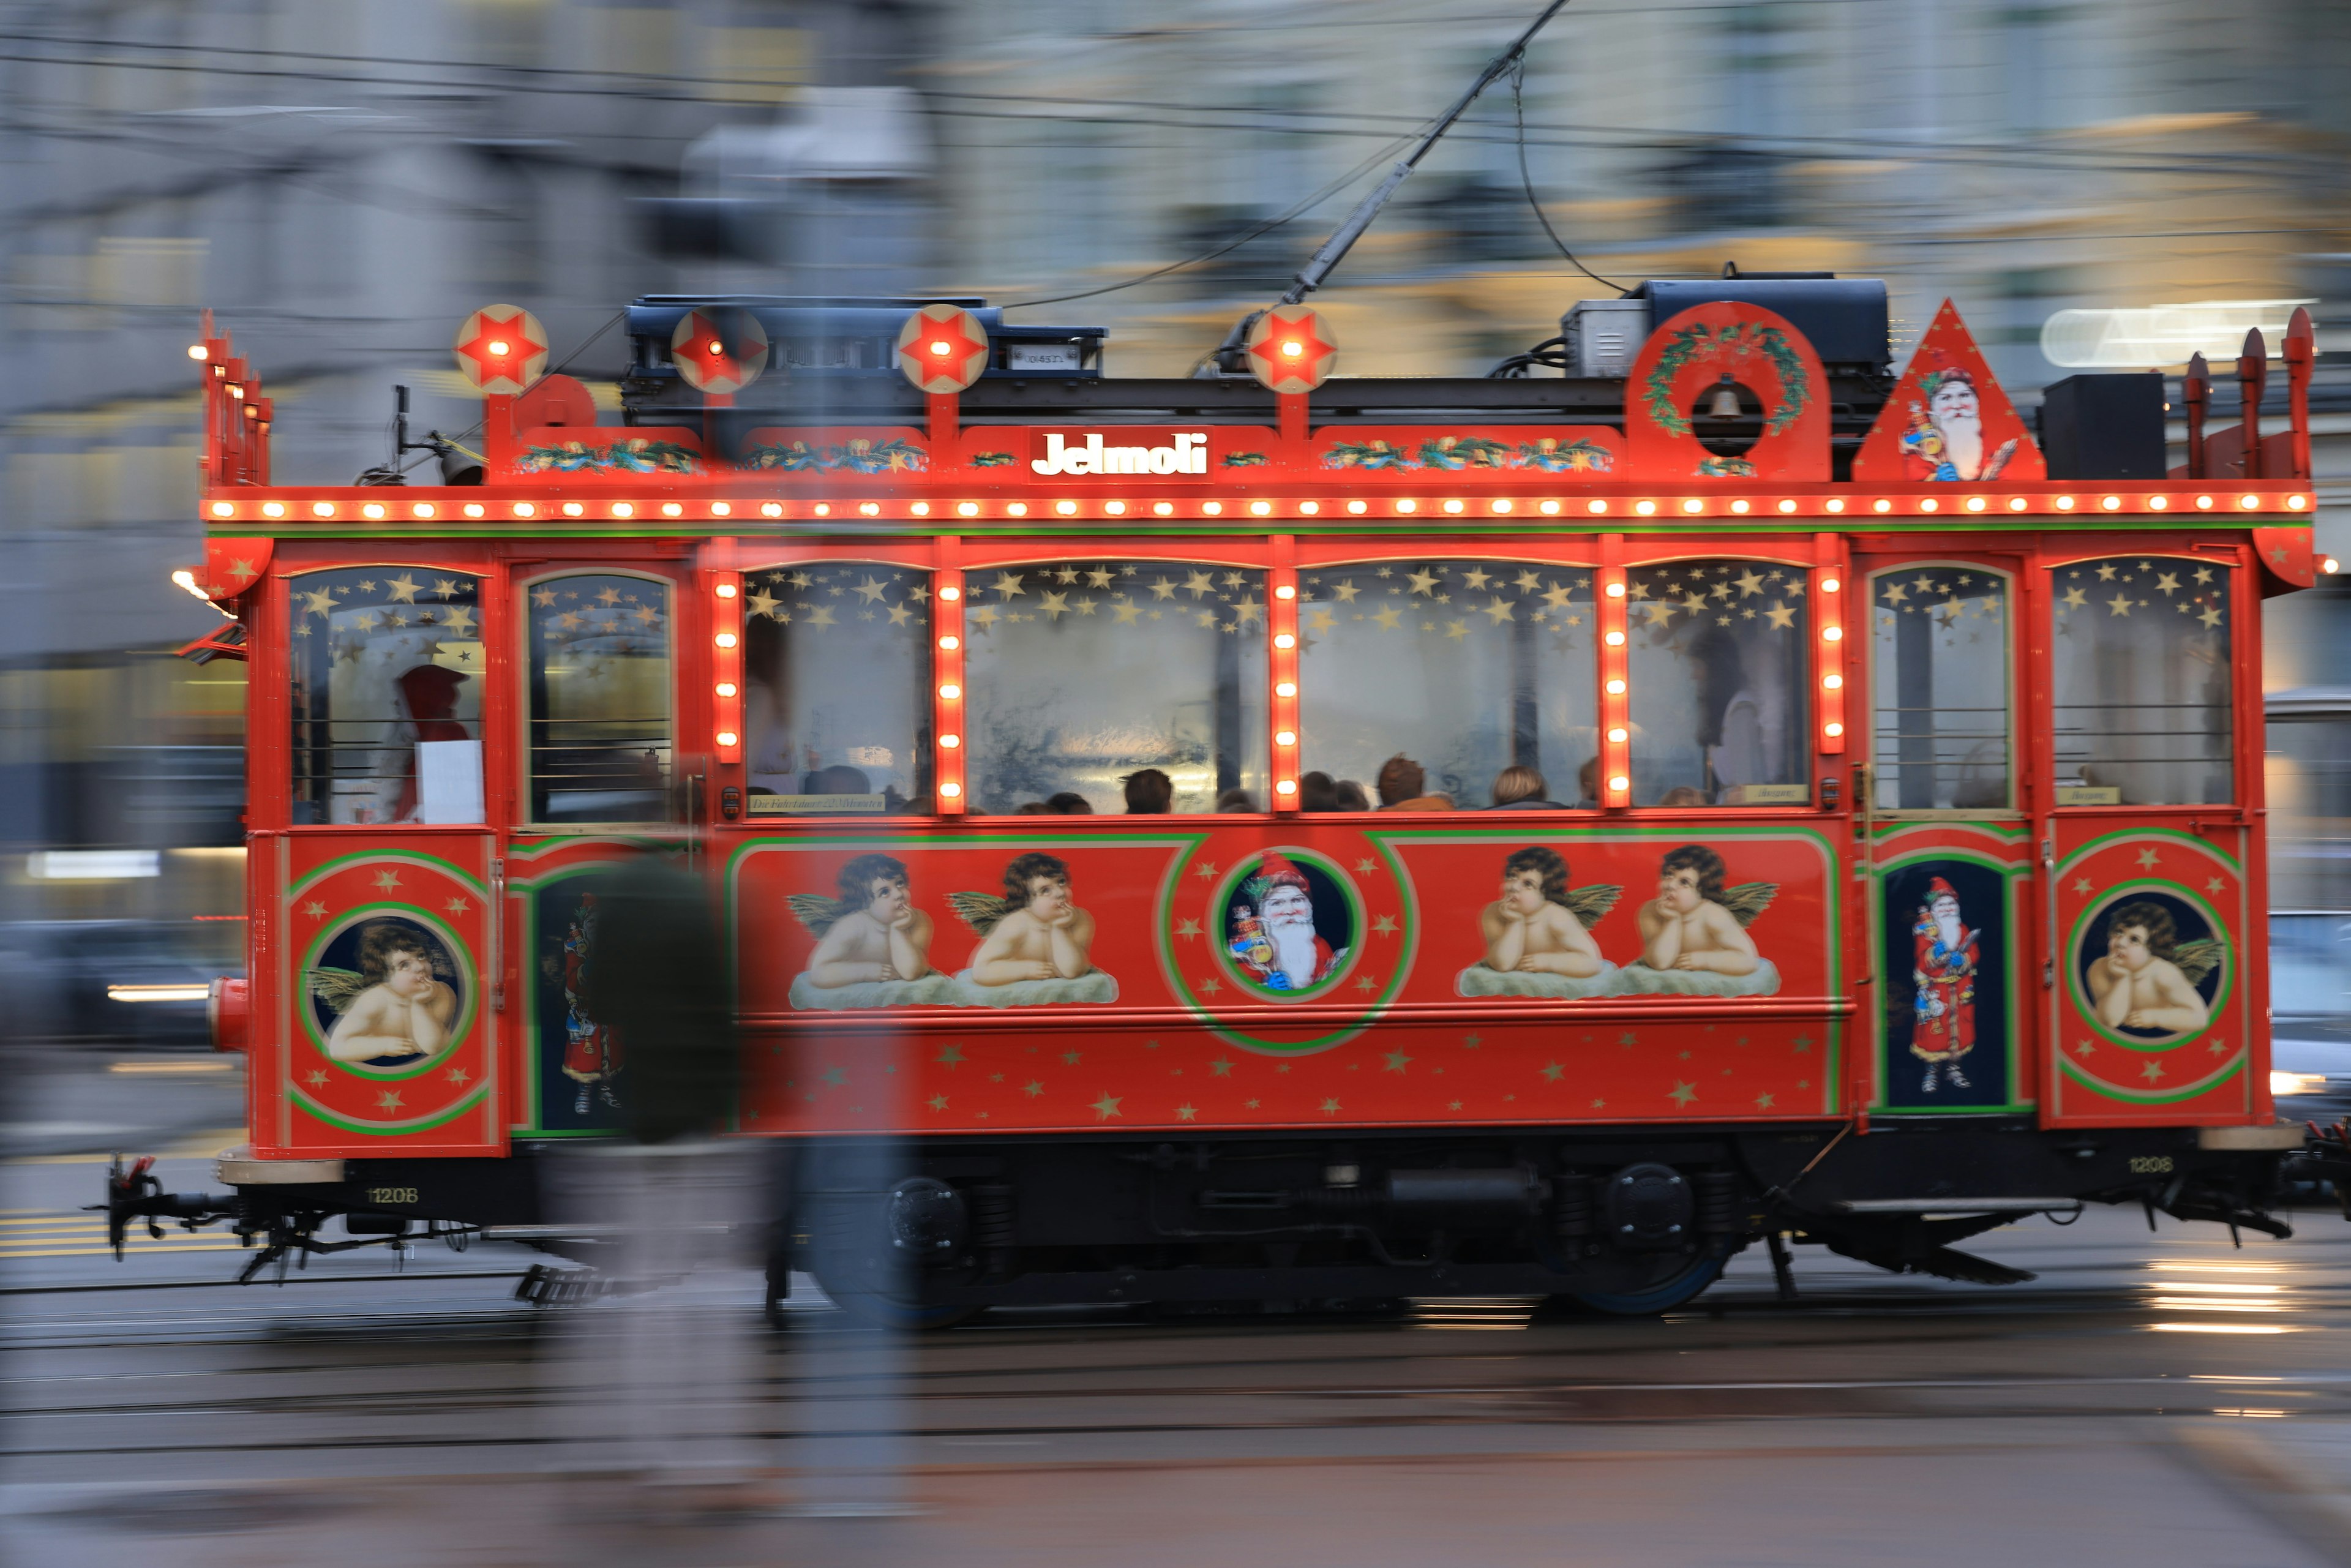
x: 1662, y: 1292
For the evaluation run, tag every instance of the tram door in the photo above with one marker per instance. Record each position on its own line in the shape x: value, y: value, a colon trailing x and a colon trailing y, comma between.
x: 374, y: 892
x: 1948, y: 846
x: 2152, y: 895
x: 609, y: 762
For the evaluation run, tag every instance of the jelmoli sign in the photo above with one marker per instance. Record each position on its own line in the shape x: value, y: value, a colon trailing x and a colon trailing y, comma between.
x: 1139, y: 450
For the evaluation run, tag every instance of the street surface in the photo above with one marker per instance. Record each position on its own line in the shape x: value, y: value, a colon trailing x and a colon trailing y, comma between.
x: 2152, y: 1400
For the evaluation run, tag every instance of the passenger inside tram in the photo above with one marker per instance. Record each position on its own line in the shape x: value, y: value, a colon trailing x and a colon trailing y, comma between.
x: 1521, y: 788
x: 1148, y: 791
x: 1403, y: 788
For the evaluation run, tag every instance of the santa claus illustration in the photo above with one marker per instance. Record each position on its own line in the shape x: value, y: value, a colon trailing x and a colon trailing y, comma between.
x: 1943, y: 969
x: 1946, y: 437
x: 1278, y: 946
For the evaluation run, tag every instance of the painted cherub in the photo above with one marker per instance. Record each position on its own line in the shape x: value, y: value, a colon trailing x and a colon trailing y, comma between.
x: 393, y: 1007
x: 872, y: 931
x: 1034, y: 932
x: 1694, y: 922
x: 1537, y: 926
x: 2147, y: 982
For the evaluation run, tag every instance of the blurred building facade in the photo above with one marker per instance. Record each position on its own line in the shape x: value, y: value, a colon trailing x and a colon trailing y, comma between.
x: 342, y: 180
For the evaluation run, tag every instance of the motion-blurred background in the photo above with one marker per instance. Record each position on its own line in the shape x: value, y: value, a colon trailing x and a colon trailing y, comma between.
x: 343, y: 181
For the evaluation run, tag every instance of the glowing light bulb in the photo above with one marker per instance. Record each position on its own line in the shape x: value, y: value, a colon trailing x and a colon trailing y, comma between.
x: 1833, y: 682
x: 1285, y: 591
x: 727, y: 590
x: 1832, y: 730
x: 1285, y: 738
x: 1620, y: 783
x: 1615, y: 639
x: 950, y: 788
x: 951, y: 741
x: 1287, y: 787
x: 726, y: 639
x: 1292, y: 347
x: 951, y: 593
x: 726, y: 688
x: 1832, y: 633
x: 716, y: 347
x: 729, y: 738
x: 1285, y: 689
x: 1620, y: 734
x: 198, y: 351
x: 1615, y: 591
x: 1830, y: 585
x: 498, y: 345
x: 1616, y: 688
x: 624, y: 508
x: 1284, y: 640
x: 940, y: 347
x: 951, y: 691
x: 950, y: 643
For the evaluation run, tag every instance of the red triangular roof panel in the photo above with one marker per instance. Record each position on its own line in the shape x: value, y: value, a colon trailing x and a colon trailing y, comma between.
x: 1947, y: 419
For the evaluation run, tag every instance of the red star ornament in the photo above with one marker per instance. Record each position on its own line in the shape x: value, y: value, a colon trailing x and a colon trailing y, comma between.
x: 1292, y: 351
x: 698, y: 347
x: 502, y: 348
x: 942, y: 348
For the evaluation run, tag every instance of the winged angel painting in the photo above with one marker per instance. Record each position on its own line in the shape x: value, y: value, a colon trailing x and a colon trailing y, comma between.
x: 1538, y: 935
x: 395, y: 1007
x: 2149, y: 983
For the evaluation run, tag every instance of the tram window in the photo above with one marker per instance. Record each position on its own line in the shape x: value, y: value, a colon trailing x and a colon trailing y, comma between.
x: 387, y: 696
x: 2140, y: 670
x: 1939, y: 687
x: 1464, y: 667
x: 1719, y: 683
x: 836, y: 674
x: 1082, y: 673
x: 600, y: 699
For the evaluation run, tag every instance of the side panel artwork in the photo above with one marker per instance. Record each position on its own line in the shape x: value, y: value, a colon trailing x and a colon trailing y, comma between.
x: 1517, y: 974
x: 2151, y: 1022
x: 1949, y: 925
x: 384, y: 1026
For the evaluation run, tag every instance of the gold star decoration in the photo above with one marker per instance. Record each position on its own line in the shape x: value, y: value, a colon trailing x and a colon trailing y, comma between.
x: 2146, y: 859
x: 1764, y: 1102
x: 1424, y: 582
x: 1397, y: 1061
x: 938, y: 1102
x: 457, y: 906
x: 388, y: 880
x: 458, y: 1076
x: 1185, y: 1112
x: 388, y: 1099
x: 315, y: 910
x: 2082, y: 885
x: 950, y: 1056
x: 2151, y: 1072
x: 318, y: 1078
x: 2119, y: 604
x: 1199, y: 583
x: 1683, y: 1093
x: 1107, y: 1106
x: 1331, y: 1107
x: 1383, y: 926
x: 1205, y: 869
x: 1781, y: 618
x: 1554, y: 1073
x: 1033, y: 1088
x: 2214, y: 886
x: 1187, y: 929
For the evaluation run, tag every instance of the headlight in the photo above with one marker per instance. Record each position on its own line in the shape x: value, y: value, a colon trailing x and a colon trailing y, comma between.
x: 2284, y: 1084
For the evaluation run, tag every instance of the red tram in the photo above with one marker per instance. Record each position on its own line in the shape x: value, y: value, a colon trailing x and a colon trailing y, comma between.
x: 1271, y: 835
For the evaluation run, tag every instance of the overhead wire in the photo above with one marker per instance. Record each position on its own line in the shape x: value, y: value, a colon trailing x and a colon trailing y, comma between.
x: 1518, y: 109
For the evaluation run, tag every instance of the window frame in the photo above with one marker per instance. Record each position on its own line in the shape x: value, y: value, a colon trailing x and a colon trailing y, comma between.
x: 1816, y: 563
x: 270, y: 689
x: 2022, y: 570
x: 971, y: 557
x: 749, y: 557
x: 2245, y: 781
x: 525, y: 575
x: 1314, y: 557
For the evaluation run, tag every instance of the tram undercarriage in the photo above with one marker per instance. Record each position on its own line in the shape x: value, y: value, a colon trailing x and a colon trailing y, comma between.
x: 1617, y: 1221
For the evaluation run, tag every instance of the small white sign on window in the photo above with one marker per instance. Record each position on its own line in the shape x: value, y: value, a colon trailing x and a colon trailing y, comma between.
x: 449, y: 781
